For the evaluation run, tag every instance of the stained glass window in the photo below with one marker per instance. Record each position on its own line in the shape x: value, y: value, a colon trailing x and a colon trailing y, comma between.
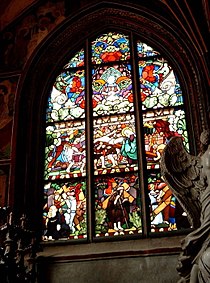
x: 109, y: 115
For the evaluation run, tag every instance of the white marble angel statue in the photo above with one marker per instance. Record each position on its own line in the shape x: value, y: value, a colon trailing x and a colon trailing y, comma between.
x: 188, y: 177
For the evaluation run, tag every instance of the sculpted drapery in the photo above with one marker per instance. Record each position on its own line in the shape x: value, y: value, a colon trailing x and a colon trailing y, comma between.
x: 189, y: 178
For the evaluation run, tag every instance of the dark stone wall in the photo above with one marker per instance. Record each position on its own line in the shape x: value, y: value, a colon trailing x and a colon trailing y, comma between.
x: 32, y: 49
x: 159, y: 269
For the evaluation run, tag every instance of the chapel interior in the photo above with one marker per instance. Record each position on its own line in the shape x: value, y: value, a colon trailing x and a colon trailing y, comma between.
x: 36, y: 39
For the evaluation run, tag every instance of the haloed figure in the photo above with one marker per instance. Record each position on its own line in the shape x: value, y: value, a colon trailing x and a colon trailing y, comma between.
x: 129, y: 148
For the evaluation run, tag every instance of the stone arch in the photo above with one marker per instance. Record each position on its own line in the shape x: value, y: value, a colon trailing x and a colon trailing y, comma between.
x: 47, y: 61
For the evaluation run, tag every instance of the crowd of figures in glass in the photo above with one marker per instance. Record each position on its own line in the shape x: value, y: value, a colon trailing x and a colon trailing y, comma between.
x: 111, y: 127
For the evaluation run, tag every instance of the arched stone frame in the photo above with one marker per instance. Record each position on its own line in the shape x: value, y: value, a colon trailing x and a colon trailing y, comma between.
x: 46, y: 62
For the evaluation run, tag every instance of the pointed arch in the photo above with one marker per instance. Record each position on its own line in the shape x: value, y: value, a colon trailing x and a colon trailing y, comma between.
x: 47, y: 62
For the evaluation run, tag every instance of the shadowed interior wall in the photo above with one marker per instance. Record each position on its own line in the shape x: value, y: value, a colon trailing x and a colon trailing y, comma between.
x: 148, y: 269
x: 34, y: 47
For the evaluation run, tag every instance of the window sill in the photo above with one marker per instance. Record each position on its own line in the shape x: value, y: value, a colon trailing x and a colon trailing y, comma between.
x: 116, y: 249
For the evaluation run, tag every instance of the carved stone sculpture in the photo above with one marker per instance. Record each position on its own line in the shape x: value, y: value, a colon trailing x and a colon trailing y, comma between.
x: 188, y: 177
x: 18, y: 250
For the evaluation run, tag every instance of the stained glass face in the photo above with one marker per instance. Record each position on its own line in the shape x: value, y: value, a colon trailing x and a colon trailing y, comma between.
x: 117, y: 206
x: 159, y: 127
x: 166, y: 213
x: 67, y: 98
x: 100, y: 142
x: 112, y: 90
x: 159, y: 86
x: 110, y: 47
x: 65, y: 150
x: 115, y: 148
x: 64, y: 211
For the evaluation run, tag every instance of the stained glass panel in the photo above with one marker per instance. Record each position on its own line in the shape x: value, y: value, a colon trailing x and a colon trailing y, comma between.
x: 158, y: 85
x: 159, y: 127
x: 64, y: 211
x: 165, y: 210
x: 110, y: 47
x: 65, y: 150
x: 112, y: 90
x: 117, y: 206
x: 115, y: 148
x: 67, y: 99
x: 112, y: 128
x: 145, y: 50
x: 77, y: 60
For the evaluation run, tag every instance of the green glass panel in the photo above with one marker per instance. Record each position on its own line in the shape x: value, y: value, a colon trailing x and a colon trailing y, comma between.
x: 64, y: 211
x: 117, y: 206
x: 65, y: 150
x: 110, y: 47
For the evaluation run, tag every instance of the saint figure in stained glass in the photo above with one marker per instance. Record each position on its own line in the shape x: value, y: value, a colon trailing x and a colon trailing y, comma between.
x: 117, y: 205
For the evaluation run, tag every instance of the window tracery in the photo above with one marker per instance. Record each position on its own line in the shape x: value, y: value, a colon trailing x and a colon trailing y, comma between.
x: 109, y: 116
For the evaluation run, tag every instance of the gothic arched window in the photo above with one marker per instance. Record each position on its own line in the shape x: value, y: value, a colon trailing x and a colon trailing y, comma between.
x: 111, y: 110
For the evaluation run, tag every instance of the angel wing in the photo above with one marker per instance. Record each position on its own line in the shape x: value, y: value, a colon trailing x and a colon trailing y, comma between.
x: 182, y: 173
